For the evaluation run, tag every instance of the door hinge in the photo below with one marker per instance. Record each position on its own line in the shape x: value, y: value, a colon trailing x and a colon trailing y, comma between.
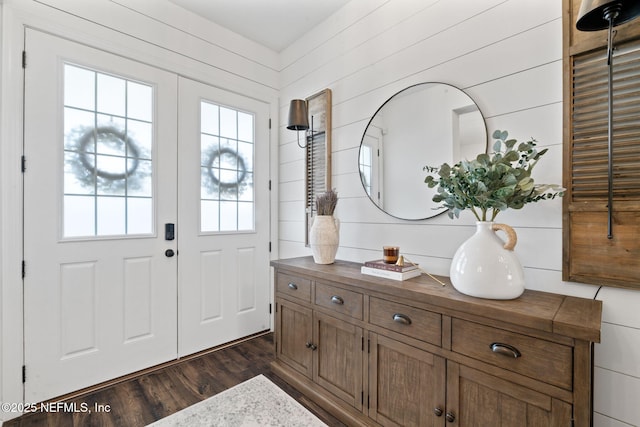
x: 24, y: 374
x: 24, y: 269
x: 269, y: 246
x: 269, y: 123
x: 368, y: 401
x: 269, y: 185
x: 24, y: 59
x: 362, y: 397
x: 23, y: 164
x: 362, y: 346
x: 270, y: 308
x: 368, y: 346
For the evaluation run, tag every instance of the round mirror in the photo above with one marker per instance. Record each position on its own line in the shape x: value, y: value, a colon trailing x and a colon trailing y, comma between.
x: 427, y: 124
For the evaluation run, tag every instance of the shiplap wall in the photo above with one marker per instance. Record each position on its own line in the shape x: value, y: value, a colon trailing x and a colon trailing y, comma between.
x: 507, y: 55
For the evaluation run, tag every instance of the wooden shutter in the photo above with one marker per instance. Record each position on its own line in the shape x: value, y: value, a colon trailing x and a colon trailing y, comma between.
x: 590, y: 122
x: 589, y: 256
x: 318, y: 153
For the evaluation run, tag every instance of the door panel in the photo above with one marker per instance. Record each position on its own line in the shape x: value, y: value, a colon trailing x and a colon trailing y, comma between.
x: 338, y: 365
x: 100, y: 145
x: 394, y: 367
x: 475, y: 398
x: 224, y: 216
x: 295, y: 330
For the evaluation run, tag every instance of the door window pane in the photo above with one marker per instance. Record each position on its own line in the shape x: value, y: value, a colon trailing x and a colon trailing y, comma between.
x: 365, y: 167
x: 111, y: 216
x: 79, y: 216
x: 227, y: 158
x: 111, y: 94
x: 108, y: 143
x: 139, y: 215
x: 82, y: 93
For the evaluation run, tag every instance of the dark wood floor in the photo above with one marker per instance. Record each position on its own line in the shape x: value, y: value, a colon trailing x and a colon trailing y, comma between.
x: 148, y: 397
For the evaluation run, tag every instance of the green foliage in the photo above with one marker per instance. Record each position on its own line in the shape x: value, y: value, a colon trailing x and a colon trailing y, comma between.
x: 493, y: 182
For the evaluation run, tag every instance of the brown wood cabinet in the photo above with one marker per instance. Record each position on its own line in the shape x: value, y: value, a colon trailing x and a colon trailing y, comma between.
x: 374, y: 351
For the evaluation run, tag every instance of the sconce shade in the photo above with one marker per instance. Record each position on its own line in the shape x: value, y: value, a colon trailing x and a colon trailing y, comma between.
x: 298, y: 117
x: 594, y: 15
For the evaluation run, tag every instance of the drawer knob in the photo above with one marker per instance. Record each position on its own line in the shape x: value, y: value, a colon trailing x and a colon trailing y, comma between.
x: 505, y: 350
x: 337, y: 300
x: 450, y: 417
x: 293, y: 286
x: 402, y: 319
x: 438, y: 411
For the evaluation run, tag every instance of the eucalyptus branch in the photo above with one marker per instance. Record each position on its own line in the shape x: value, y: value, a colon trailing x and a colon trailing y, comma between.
x: 495, y: 181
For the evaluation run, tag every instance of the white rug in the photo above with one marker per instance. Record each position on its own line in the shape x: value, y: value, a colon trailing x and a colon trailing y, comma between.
x: 255, y: 402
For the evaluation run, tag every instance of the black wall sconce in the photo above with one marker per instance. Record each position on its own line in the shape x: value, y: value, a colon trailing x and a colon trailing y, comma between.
x: 298, y: 117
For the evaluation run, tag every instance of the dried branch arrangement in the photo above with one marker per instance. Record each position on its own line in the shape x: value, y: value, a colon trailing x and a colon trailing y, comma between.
x: 326, y: 202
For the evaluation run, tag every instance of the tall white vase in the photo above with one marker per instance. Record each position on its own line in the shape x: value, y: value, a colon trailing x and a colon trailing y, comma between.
x: 485, y: 266
x: 324, y: 238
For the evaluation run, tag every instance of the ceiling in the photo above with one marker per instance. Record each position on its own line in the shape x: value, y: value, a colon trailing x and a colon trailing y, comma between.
x: 273, y: 23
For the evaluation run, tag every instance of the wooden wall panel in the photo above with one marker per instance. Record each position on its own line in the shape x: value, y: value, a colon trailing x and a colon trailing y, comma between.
x: 590, y: 254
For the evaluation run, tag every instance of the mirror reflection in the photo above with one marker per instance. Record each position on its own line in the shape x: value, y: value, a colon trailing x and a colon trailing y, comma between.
x: 424, y: 124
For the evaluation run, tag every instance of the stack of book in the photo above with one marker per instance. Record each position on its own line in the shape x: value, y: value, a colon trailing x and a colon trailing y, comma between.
x: 390, y: 271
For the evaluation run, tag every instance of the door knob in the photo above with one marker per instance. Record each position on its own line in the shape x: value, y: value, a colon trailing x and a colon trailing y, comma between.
x: 450, y: 417
x: 169, y: 253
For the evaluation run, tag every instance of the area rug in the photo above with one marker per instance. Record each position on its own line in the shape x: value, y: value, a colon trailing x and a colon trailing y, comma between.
x: 255, y: 402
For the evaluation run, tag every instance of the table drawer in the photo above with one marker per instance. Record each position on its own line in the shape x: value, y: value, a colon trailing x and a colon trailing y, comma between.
x: 339, y: 300
x: 414, y: 322
x: 294, y: 286
x: 536, y: 358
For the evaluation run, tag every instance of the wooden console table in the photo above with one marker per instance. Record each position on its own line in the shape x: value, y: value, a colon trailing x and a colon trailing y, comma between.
x: 374, y: 351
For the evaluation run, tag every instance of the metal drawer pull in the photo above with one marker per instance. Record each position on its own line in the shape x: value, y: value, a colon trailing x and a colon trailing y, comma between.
x: 337, y: 300
x: 505, y: 349
x: 311, y: 346
x: 450, y: 417
x: 401, y: 318
x: 438, y: 411
x: 293, y: 286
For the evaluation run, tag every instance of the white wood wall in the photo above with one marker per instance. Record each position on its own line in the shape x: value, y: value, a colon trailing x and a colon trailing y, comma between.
x: 507, y: 55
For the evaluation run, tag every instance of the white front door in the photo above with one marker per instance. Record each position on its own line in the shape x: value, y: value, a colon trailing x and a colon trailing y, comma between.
x: 100, y: 183
x: 223, y: 209
x: 117, y: 154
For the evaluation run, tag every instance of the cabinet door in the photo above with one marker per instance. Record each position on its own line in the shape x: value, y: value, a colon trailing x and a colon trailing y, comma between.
x: 476, y: 399
x: 406, y: 384
x: 338, y: 358
x: 294, y: 336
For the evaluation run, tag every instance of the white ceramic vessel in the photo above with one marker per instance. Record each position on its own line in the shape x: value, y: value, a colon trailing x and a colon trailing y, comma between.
x: 324, y: 238
x: 485, y: 266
